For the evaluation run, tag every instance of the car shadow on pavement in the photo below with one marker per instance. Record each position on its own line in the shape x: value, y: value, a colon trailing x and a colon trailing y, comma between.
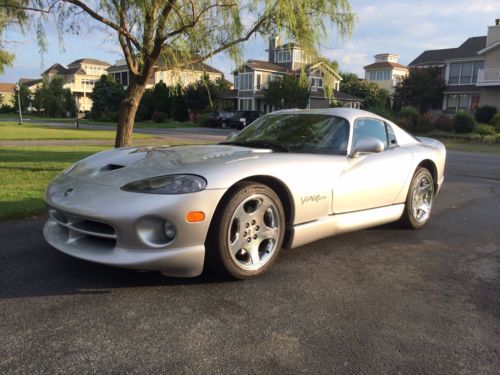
x: 30, y: 268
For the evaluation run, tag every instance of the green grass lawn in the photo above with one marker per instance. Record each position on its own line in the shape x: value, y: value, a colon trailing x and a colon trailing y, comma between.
x: 12, y: 131
x: 453, y: 144
x: 148, y: 124
x: 25, y: 173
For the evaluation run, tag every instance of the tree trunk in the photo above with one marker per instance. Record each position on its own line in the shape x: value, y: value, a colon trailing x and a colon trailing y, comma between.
x: 128, y: 109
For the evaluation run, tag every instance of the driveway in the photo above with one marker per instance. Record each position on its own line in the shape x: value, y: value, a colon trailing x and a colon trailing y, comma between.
x: 382, y: 300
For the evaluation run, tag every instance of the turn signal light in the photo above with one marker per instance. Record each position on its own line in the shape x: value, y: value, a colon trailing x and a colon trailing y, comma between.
x: 195, y: 216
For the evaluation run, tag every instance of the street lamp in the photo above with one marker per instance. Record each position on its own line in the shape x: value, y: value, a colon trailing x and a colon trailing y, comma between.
x: 18, y: 89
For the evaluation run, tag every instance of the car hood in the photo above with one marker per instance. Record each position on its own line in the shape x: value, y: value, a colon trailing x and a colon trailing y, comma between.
x: 121, y: 166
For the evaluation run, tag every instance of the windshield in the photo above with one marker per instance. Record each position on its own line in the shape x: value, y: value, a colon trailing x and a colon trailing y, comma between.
x: 307, y: 133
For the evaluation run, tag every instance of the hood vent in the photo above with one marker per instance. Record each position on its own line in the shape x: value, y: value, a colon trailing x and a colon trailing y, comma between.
x: 111, y: 167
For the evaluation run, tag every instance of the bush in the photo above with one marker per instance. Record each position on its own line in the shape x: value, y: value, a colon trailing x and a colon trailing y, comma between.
x: 108, y: 116
x: 383, y: 112
x: 203, y: 119
x: 444, y: 123
x: 159, y: 117
x: 485, y: 113
x: 424, y: 123
x: 5, y: 108
x: 463, y: 122
x: 485, y: 129
x: 490, y: 139
x: 495, y: 121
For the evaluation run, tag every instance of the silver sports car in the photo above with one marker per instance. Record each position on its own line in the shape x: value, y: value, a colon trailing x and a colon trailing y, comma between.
x: 290, y: 178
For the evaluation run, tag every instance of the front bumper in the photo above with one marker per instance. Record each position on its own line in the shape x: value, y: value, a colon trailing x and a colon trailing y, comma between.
x: 103, y: 224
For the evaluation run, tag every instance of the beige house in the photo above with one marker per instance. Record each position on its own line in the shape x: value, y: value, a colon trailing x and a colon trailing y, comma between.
x: 80, y: 77
x: 386, y: 71
x: 171, y: 77
x: 471, y: 71
x: 7, y: 92
x: 253, y: 77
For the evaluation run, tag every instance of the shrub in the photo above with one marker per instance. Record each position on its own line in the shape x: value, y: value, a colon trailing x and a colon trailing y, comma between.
x: 463, y: 122
x: 424, y: 123
x: 383, y: 112
x: 485, y: 129
x: 495, y: 121
x: 109, y: 116
x: 159, y: 117
x: 485, y: 113
x: 409, y: 117
x: 490, y: 139
x: 444, y: 123
x: 203, y: 120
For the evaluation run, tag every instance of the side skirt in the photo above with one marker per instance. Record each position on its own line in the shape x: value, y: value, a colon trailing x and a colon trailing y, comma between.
x: 331, y: 225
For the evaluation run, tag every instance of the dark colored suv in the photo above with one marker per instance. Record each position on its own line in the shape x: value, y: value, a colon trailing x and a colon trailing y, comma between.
x: 220, y: 119
x: 242, y: 119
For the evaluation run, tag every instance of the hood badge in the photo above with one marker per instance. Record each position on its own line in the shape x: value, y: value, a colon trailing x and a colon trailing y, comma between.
x: 68, y: 192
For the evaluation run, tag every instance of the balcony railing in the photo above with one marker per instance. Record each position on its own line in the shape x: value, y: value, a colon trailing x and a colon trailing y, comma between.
x: 488, y: 77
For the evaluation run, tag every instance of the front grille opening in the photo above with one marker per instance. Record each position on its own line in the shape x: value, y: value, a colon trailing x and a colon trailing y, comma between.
x: 93, y: 227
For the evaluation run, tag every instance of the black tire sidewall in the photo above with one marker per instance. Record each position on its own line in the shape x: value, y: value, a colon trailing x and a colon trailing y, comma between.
x: 227, y: 208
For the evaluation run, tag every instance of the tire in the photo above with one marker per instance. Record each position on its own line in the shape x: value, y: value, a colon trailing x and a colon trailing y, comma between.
x: 419, y: 200
x: 224, y: 125
x: 247, y: 232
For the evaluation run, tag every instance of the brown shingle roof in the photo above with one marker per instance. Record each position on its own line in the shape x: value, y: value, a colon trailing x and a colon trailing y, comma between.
x: 28, y: 82
x: 56, y: 69
x: 469, y: 48
x: 7, y: 87
x: 266, y: 65
x: 88, y: 61
x: 385, y: 65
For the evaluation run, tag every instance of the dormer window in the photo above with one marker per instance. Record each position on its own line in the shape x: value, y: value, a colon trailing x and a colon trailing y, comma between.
x: 283, y: 56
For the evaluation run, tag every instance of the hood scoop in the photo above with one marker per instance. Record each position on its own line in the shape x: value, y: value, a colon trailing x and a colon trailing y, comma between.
x: 111, y: 167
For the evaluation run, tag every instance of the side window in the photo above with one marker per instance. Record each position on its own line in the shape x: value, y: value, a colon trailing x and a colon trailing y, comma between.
x: 369, y: 127
x: 391, y: 136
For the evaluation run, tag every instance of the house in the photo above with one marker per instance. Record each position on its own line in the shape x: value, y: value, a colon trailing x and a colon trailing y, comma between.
x: 7, y: 92
x: 171, y: 77
x: 253, y: 77
x: 80, y: 77
x: 471, y: 71
x: 31, y: 83
x: 386, y: 72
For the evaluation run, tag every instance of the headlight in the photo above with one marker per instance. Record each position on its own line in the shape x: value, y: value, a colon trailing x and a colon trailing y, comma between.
x: 173, y: 184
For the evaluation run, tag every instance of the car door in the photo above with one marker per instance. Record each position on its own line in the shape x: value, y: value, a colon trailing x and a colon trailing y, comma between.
x: 374, y: 179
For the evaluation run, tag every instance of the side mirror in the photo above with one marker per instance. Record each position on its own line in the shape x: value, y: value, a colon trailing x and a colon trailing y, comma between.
x: 231, y: 135
x: 367, y: 145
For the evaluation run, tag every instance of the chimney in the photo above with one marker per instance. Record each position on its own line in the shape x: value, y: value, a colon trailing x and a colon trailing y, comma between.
x: 493, y: 33
x: 274, y: 42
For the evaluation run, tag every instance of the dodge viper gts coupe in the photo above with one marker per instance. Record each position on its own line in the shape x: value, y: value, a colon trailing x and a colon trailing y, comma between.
x: 290, y: 178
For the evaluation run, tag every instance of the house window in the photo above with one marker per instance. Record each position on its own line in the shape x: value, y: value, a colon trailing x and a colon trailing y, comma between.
x: 245, y: 81
x: 283, y: 56
x: 316, y: 82
x: 458, y: 102
x: 454, y: 73
x: 298, y: 56
x: 246, y: 104
x: 259, y: 81
x: 466, y: 73
x: 274, y: 77
x: 477, y: 65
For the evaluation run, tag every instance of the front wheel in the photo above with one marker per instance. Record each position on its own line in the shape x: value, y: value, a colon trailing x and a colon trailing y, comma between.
x: 247, y: 232
x: 419, y: 200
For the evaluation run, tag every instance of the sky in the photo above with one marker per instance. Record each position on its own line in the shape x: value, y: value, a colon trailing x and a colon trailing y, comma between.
x: 403, y: 27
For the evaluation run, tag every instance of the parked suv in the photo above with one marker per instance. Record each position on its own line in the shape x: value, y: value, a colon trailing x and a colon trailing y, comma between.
x: 242, y: 119
x: 220, y: 119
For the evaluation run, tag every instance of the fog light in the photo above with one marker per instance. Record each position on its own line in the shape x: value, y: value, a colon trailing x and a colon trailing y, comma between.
x: 169, y: 230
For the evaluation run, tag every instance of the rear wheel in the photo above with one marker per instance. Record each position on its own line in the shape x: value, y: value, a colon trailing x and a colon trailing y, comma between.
x: 419, y: 200
x: 247, y: 232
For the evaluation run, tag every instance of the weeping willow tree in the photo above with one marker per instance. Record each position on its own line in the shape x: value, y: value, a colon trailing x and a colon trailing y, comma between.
x: 11, y: 14
x: 180, y: 33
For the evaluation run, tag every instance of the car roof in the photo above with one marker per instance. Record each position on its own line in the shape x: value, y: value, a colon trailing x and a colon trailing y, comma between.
x: 348, y: 113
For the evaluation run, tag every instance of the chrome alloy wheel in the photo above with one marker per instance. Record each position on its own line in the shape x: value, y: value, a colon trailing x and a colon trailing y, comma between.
x: 422, y: 196
x: 254, y: 232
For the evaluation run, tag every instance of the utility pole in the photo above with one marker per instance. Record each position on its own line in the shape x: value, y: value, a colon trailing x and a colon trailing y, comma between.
x: 18, y: 89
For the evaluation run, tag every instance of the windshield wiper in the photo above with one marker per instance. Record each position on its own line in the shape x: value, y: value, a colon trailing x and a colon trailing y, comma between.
x: 260, y: 144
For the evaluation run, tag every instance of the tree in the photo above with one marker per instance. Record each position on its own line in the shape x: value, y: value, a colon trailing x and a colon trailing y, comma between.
x: 183, y: 32
x: 290, y: 92
x: 106, y: 96
x: 10, y: 14
x: 53, y: 99
x: 197, y: 96
x: 25, y: 95
x: 422, y: 88
x: 370, y: 92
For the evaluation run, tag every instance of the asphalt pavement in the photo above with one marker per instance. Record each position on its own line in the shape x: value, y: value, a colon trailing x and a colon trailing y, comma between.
x: 382, y: 300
